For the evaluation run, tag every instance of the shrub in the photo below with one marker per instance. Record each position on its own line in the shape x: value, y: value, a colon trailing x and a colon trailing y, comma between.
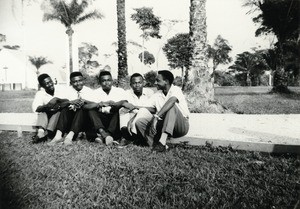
x: 91, y: 80
x: 150, y: 78
x: 224, y: 79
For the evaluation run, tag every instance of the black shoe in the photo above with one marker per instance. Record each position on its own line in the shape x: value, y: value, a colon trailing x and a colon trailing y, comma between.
x: 50, y: 134
x: 159, y: 147
x: 36, y: 139
x: 124, y: 142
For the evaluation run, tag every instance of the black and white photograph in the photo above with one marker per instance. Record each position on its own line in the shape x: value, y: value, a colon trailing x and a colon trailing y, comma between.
x: 150, y: 104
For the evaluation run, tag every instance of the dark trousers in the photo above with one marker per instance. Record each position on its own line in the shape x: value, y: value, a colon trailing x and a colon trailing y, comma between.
x: 77, y: 121
x: 107, y: 121
x: 65, y: 120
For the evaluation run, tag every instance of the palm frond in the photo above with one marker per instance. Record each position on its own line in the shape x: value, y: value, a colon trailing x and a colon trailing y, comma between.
x: 92, y: 15
x: 55, y: 17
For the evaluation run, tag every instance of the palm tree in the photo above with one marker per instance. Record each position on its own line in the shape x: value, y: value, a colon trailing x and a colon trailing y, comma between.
x: 122, y: 45
x: 69, y: 14
x: 202, y: 93
x: 251, y: 65
x: 38, y: 62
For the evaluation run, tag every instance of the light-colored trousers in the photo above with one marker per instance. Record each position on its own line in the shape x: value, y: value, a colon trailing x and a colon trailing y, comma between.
x: 125, y: 116
x: 173, y: 123
x: 47, y: 123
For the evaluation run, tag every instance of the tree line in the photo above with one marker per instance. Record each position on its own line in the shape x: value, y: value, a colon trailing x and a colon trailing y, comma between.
x: 279, y: 17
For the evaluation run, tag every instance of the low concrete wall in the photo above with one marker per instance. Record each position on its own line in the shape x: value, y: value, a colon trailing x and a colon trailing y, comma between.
x: 266, y: 133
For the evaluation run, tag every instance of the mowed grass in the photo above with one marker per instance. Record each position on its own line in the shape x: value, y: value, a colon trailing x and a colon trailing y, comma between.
x: 242, y: 100
x: 16, y: 101
x: 87, y: 175
x: 258, y: 100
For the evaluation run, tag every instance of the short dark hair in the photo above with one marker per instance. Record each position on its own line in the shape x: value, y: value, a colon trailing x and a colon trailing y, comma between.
x: 103, y: 73
x: 136, y: 75
x: 75, y: 74
x: 42, y: 77
x: 167, y: 75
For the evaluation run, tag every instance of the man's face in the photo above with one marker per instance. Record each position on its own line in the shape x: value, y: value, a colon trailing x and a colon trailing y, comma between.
x: 136, y: 84
x: 77, y: 83
x: 106, y: 82
x: 48, y: 84
x: 160, y: 82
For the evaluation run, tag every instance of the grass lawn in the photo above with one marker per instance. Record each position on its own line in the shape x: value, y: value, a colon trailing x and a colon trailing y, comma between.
x: 258, y: 100
x: 87, y: 175
x: 16, y: 101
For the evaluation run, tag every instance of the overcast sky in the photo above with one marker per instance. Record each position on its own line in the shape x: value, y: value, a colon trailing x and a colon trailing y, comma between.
x: 227, y: 18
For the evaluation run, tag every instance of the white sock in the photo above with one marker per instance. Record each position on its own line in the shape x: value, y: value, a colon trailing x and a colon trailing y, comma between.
x: 163, y: 138
x: 58, y: 134
x: 41, y: 133
x: 70, y: 135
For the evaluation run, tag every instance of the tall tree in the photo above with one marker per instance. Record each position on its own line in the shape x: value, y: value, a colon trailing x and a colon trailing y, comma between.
x: 122, y: 45
x: 178, y: 52
x: 202, y: 93
x: 38, y: 62
x: 148, y: 23
x: 69, y: 14
x: 219, y: 52
x: 280, y: 17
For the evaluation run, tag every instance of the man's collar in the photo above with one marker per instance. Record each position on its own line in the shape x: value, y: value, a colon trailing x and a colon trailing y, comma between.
x: 143, y: 92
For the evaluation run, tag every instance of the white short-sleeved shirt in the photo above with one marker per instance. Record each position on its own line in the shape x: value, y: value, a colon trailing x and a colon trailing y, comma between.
x: 116, y: 94
x: 85, y: 93
x: 143, y: 101
x: 159, y: 99
x: 42, y: 97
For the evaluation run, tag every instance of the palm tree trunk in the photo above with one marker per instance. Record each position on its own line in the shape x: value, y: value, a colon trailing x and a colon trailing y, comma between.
x: 70, y: 34
x: 202, y: 94
x: 122, y: 48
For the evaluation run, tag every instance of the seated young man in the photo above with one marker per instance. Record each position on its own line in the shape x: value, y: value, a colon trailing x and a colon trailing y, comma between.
x: 72, y: 118
x: 48, y: 104
x: 137, y: 97
x: 171, y: 118
x: 103, y: 111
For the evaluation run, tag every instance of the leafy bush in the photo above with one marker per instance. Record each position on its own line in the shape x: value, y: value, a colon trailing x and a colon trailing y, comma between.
x: 150, y: 78
x: 91, y: 80
x: 224, y: 78
x: 148, y: 58
x: 178, y: 81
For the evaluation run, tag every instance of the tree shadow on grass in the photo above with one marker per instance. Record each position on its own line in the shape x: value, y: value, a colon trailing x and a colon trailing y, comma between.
x: 8, y: 199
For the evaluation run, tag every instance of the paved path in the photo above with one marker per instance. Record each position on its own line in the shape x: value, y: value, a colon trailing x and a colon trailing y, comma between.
x: 270, y: 133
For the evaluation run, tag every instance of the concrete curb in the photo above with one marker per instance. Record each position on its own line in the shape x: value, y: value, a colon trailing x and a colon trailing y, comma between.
x: 264, y: 133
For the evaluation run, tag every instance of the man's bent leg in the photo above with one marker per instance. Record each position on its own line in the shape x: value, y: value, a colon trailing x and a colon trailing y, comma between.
x: 114, y: 125
x: 100, y: 122
x: 124, y: 117
x: 42, y: 120
x: 65, y: 120
x: 142, y: 124
x: 53, y: 122
x: 175, y: 124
